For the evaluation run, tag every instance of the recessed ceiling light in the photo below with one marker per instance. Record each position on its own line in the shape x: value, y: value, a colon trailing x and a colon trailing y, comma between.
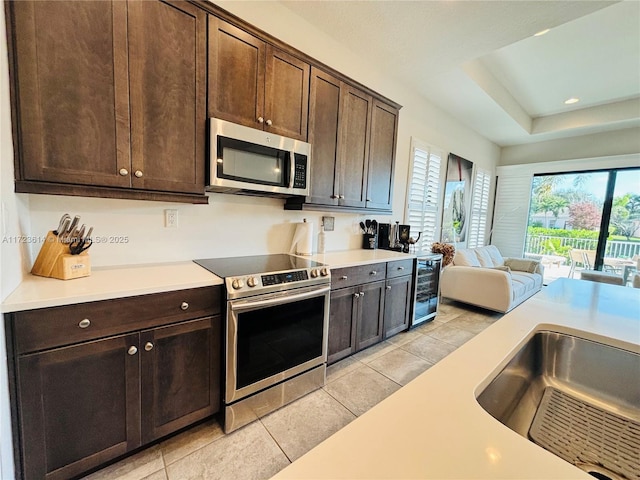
x: 572, y: 100
x: 541, y: 32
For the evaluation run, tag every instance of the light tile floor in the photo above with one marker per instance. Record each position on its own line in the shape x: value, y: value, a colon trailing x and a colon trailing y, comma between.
x: 353, y: 386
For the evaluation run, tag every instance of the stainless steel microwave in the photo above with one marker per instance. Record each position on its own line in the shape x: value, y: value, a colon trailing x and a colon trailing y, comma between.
x: 250, y: 161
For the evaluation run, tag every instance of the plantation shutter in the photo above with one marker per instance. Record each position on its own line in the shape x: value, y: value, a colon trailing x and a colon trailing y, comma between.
x: 479, y: 209
x: 510, y: 216
x: 423, y: 193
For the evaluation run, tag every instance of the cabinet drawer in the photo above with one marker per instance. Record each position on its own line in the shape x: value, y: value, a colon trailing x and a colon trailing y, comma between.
x: 349, y: 276
x: 57, y: 326
x: 399, y: 268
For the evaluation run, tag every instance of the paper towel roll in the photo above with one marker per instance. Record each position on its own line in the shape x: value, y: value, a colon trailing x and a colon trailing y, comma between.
x: 302, y: 243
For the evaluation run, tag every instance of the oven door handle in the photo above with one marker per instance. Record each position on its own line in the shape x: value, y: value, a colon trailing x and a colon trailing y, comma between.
x: 279, y: 300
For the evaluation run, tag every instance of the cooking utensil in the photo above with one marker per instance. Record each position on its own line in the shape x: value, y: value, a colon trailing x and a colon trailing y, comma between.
x: 374, y: 226
x: 81, y: 243
x: 362, y: 226
x: 71, y: 229
x: 61, y: 225
x: 367, y: 222
x: 62, y: 230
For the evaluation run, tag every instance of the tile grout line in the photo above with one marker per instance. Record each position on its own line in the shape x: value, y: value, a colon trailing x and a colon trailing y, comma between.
x: 276, y: 441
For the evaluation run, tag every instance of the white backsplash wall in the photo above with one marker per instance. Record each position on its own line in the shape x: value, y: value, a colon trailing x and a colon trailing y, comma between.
x: 133, y: 232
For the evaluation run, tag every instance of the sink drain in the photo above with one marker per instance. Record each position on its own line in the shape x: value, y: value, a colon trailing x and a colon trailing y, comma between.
x: 604, y: 444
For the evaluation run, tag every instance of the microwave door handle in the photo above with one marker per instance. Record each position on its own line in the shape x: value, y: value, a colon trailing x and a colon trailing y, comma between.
x: 292, y: 167
x: 281, y: 299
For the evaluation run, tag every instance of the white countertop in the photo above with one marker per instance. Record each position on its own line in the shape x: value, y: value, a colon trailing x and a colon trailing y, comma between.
x: 349, y: 258
x: 107, y: 282
x: 434, y: 428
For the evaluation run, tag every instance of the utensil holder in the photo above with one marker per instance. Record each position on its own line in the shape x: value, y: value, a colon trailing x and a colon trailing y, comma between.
x: 54, y: 260
x: 369, y: 241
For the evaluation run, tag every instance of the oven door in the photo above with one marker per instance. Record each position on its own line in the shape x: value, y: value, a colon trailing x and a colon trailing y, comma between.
x: 273, y: 337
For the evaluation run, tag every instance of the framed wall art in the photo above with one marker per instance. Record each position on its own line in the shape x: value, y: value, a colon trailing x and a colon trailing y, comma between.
x: 457, y: 201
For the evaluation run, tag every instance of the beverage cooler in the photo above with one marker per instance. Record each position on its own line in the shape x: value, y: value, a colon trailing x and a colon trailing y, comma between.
x: 427, y: 280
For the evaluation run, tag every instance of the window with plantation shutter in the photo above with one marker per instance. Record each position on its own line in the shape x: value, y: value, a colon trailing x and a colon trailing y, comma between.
x: 479, y: 209
x: 423, y: 193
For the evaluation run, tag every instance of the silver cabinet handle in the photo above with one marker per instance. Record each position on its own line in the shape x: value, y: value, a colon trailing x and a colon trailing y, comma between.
x: 368, y: 199
x: 269, y: 122
x: 148, y: 346
x: 184, y: 305
x: 132, y: 350
x: 357, y: 295
x: 388, y: 287
x: 334, y: 196
x: 341, y: 196
x: 373, y: 272
x: 84, y: 323
x: 343, y: 277
x: 362, y: 294
x: 124, y: 172
x: 260, y: 120
x: 138, y: 173
x: 400, y: 268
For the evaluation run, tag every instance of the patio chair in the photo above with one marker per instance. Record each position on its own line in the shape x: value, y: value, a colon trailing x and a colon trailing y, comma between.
x: 589, y: 259
x: 578, y: 261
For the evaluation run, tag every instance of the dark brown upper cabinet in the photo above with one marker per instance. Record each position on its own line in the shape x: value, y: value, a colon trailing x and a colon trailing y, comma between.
x: 353, y: 137
x: 167, y: 77
x: 382, y: 152
x: 102, y: 99
x: 355, y: 130
x: 255, y: 84
x: 325, y: 138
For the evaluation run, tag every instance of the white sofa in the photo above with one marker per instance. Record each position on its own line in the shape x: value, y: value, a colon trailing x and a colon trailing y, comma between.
x: 482, y: 277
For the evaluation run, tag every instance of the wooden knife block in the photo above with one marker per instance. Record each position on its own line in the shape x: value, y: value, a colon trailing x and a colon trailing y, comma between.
x: 54, y: 260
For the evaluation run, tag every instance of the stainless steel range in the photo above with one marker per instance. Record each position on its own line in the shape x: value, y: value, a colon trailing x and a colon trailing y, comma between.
x: 277, y: 315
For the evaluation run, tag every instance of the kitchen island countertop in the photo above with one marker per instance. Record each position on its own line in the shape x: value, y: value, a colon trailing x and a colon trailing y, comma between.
x: 106, y: 283
x: 433, y: 427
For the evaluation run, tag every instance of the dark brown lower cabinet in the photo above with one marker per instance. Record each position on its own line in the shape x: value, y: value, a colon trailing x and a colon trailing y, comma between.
x: 79, y: 406
x: 371, y: 305
x: 179, y: 376
x: 342, y: 318
x: 84, y: 404
x: 397, y: 305
x: 364, y: 314
x: 355, y: 320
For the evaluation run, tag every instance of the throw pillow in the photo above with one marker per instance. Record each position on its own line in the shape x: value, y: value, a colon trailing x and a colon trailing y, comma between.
x: 521, y: 265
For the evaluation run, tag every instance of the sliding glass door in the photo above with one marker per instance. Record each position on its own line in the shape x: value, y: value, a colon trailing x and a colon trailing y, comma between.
x: 622, y: 244
x: 585, y: 220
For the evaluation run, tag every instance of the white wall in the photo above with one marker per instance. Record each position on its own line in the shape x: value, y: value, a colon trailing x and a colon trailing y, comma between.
x: 229, y: 225
x: 606, y: 144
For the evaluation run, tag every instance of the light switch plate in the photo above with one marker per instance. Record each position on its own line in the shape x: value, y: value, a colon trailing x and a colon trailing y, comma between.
x: 328, y: 223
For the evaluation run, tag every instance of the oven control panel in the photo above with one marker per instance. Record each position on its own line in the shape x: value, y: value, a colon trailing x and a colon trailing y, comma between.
x: 286, y: 277
x: 270, y: 282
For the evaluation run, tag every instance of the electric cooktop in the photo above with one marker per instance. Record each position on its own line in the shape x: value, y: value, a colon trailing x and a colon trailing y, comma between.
x: 244, y: 276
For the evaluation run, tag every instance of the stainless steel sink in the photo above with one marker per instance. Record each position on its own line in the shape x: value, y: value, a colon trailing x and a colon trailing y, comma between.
x: 577, y: 398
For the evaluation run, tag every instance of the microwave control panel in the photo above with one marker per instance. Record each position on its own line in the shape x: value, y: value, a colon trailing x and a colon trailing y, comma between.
x: 300, y: 171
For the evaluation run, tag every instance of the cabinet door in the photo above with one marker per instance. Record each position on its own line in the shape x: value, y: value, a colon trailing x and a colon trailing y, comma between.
x: 180, y: 372
x: 397, y: 305
x: 384, y: 126
x: 236, y: 74
x: 324, y: 128
x: 167, y: 63
x: 286, y: 94
x: 342, y: 323
x: 72, y: 91
x: 354, y: 155
x: 80, y: 406
x: 370, y: 315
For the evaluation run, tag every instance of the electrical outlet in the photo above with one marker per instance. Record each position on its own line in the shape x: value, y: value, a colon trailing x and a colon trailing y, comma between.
x: 171, y: 218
